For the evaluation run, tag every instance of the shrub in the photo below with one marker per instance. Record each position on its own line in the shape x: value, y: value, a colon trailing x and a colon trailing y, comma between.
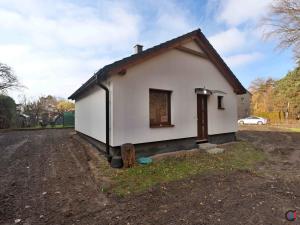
x: 7, y: 111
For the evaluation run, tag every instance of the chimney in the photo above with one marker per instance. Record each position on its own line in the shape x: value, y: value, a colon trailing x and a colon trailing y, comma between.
x: 138, y: 48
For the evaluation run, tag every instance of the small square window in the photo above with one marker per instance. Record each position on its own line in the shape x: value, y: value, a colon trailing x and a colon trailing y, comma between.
x: 220, y: 102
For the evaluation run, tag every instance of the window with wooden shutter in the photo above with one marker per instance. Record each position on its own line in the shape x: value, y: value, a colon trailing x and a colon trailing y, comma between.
x: 160, y: 108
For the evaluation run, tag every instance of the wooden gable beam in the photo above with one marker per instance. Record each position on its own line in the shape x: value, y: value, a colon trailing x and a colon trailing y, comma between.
x: 191, y: 51
x: 221, y: 66
x: 142, y: 59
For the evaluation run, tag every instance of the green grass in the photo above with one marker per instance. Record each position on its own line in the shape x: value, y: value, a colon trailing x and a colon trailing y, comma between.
x: 294, y: 129
x: 239, y: 156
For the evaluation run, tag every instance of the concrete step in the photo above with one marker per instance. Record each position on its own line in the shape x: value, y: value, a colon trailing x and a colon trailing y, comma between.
x: 205, y: 146
x: 215, y: 150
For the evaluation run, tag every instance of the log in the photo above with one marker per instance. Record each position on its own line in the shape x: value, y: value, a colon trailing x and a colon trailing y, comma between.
x: 128, y: 155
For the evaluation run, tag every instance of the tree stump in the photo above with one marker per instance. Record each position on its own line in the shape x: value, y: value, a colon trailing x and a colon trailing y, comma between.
x: 128, y: 155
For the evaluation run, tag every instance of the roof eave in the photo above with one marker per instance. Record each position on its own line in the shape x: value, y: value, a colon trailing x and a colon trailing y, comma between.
x: 83, y: 87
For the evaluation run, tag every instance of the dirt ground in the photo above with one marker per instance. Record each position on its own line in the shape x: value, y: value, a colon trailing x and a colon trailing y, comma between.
x: 45, y: 178
x: 281, y: 146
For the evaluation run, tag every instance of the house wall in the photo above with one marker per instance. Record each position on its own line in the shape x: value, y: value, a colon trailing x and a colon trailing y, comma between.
x: 181, y: 73
x: 90, y: 114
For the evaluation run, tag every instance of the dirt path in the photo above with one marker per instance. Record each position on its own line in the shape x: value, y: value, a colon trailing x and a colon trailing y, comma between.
x: 281, y: 146
x: 45, y: 178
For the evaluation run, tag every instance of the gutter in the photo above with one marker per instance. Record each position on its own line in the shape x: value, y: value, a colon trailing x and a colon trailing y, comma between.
x: 107, y: 128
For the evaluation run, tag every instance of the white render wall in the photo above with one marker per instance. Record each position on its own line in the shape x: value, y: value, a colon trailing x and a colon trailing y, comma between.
x: 181, y: 73
x: 90, y: 114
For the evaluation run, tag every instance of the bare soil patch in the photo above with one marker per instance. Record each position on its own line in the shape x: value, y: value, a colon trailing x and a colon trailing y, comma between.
x: 282, y: 147
x: 45, y: 179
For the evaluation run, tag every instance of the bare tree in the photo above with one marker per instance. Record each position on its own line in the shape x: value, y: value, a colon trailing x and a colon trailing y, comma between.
x: 33, y: 108
x: 8, y: 79
x: 283, y: 22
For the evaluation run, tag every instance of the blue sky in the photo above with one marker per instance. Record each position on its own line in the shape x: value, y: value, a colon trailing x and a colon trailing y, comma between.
x: 55, y: 46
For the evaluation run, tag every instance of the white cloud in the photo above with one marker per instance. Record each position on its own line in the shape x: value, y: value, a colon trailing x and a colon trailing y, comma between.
x: 168, y: 21
x: 54, y: 53
x: 236, y: 12
x: 238, y: 60
x: 11, y: 52
x: 74, y: 26
x: 239, y: 42
x: 43, y: 73
x: 229, y: 40
x: 54, y: 46
x: 172, y: 18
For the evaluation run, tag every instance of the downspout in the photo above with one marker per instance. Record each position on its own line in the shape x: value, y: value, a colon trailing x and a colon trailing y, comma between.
x: 106, y: 116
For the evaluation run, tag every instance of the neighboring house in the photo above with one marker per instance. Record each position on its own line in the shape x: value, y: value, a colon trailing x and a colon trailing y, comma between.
x: 22, y: 120
x: 165, y: 98
x: 244, y: 105
x: 19, y: 108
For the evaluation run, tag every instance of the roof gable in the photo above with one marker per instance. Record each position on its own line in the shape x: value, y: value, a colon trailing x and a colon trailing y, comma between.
x: 194, y: 46
x: 181, y: 43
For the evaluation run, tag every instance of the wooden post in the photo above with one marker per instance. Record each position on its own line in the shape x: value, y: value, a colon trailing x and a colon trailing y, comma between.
x: 128, y: 155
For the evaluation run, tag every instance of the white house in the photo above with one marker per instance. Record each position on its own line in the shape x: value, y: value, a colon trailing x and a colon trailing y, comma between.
x: 165, y: 98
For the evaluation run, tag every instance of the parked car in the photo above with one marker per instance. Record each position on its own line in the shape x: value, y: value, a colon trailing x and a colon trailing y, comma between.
x: 253, y: 120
